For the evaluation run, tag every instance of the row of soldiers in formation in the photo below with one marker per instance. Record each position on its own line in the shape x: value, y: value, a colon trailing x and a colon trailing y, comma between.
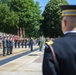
x: 8, y: 44
x: 19, y: 43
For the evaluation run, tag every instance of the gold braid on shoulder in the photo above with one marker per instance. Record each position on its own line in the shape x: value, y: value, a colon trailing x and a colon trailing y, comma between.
x: 52, y: 50
x: 50, y: 43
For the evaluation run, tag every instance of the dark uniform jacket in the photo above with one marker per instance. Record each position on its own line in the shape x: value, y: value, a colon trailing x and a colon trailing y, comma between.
x: 8, y: 43
x: 65, y: 52
x: 4, y: 43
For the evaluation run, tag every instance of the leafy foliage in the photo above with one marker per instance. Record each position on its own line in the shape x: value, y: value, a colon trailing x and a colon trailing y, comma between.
x: 8, y: 19
x: 20, y: 13
x: 52, y: 20
x: 29, y: 15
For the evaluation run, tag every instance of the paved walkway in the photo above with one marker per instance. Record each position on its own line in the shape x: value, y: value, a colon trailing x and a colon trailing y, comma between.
x: 15, y: 52
x: 30, y: 64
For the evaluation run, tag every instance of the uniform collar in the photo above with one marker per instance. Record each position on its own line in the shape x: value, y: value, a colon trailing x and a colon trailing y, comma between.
x: 69, y: 32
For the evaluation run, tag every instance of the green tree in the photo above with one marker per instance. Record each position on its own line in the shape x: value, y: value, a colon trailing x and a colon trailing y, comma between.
x: 29, y: 15
x: 20, y: 13
x: 9, y: 20
x: 52, y: 18
x: 4, y: 12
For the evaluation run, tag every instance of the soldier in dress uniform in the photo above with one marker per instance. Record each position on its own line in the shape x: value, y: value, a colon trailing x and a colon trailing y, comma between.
x: 60, y: 54
x: 15, y: 43
x: 18, y: 41
x: 11, y: 45
x: 25, y: 43
x: 4, y: 46
x: 8, y: 45
x: 31, y: 43
x: 22, y: 43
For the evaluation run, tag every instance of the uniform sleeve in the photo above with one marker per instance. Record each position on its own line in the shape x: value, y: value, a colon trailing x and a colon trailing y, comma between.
x: 48, y: 66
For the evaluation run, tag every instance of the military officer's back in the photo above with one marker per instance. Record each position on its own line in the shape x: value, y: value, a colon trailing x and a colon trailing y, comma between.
x: 62, y: 61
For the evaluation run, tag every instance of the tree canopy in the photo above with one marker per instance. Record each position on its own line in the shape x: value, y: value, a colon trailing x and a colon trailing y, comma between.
x: 20, y: 13
x: 52, y: 18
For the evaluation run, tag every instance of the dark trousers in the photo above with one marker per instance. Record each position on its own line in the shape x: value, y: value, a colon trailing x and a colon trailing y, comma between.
x: 22, y: 45
x: 15, y: 45
x: 25, y: 45
x: 31, y: 46
x: 11, y: 48
x: 18, y: 45
x: 8, y: 50
x: 4, y: 51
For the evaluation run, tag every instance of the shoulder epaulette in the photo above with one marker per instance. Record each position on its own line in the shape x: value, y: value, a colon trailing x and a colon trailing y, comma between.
x: 50, y: 42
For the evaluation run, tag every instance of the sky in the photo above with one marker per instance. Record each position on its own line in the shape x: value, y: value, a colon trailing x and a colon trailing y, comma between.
x: 44, y: 2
